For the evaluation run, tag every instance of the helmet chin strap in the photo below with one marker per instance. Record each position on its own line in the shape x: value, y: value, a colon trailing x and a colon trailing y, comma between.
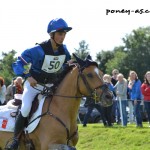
x: 57, y: 44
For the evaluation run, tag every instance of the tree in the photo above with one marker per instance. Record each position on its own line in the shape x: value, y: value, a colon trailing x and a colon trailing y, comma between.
x: 103, y: 57
x: 134, y: 55
x: 137, y: 46
x: 82, y: 51
x: 6, y: 70
x: 117, y: 62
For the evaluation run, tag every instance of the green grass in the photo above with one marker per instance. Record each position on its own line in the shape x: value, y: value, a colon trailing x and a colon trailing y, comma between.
x: 98, y: 137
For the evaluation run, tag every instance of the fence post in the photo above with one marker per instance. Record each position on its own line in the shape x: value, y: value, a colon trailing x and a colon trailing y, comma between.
x: 120, y: 105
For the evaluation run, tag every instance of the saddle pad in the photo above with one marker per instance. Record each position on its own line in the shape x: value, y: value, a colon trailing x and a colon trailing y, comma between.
x: 38, y: 112
x: 7, y: 123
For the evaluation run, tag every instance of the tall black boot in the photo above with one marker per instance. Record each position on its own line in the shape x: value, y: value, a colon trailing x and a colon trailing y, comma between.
x: 19, y: 125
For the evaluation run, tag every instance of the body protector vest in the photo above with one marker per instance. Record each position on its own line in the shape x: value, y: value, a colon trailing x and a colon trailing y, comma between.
x: 52, y: 64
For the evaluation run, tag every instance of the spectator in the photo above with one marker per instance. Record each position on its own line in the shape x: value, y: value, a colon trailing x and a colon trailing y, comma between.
x: 121, y: 94
x: 145, y: 88
x: 115, y: 109
x: 2, y: 91
x: 10, y: 91
x: 14, y: 88
x: 114, y: 80
x: 90, y: 104
x: 136, y: 96
x: 130, y: 105
x: 107, y: 111
x: 18, y: 88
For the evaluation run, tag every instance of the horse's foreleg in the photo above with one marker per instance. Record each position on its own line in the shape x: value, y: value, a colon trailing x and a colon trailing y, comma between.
x: 74, y: 140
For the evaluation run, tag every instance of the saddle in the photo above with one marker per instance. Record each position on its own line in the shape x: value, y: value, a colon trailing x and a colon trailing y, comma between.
x: 18, y: 102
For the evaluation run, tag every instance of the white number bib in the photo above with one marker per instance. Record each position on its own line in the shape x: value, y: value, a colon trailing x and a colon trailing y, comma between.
x: 52, y: 64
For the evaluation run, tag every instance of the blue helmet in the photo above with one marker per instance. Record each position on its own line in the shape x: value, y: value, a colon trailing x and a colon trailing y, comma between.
x: 58, y: 24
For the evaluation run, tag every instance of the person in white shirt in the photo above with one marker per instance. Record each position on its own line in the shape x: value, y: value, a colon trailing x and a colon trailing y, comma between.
x: 2, y: 91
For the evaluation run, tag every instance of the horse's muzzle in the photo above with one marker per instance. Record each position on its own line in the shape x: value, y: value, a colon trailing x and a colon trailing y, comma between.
x: 107, y: 98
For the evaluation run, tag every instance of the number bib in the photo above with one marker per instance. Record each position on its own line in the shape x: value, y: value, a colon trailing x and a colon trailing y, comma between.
x: 52, y: 64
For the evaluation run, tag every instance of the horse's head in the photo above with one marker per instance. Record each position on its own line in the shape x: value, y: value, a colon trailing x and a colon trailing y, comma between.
x: 90, y: 81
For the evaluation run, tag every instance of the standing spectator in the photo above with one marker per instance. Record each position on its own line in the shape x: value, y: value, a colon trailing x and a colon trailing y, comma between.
x: 10, y: 91
x: 115, y: 109
x: 2, y: 91
x: 145, y: 88
x: 107, y: 111
x: 130, y: 105
x: 114, y: 80
x: 121, y: 93
x: 90, y: 104
x: 136, y: 96
x: 18, y: 88
x: 14, y: 88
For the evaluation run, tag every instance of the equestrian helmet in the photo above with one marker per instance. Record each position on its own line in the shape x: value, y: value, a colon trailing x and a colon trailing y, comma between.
x: 58, y: 25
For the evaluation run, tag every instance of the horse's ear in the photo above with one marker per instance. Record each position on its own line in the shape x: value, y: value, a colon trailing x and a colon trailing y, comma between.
x: 89, y: 61
x: 89, y: 57
x: 79, y: 60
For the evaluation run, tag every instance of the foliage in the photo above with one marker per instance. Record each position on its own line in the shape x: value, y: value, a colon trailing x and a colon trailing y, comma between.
x: 82, y: 51
x: 103, y: 57
x: 6, y: 70
x: 117, y: 62
x: 98, y: 137
x: 134, y: 55
x: 138, y: 49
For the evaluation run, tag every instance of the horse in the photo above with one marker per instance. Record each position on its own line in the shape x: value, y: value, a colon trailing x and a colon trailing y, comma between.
x: 58, y: 128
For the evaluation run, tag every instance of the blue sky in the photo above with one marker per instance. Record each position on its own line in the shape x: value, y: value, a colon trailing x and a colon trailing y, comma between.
x: 24, y: 22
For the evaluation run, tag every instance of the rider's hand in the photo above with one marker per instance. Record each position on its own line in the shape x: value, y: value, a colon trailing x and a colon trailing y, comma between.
x: 32, y: 81
x: 70, y: 62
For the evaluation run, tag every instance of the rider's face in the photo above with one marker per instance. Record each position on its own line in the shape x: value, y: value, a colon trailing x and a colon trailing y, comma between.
x: 59, y: 37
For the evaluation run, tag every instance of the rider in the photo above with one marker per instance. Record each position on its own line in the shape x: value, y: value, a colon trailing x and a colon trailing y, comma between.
x: 47, y: 59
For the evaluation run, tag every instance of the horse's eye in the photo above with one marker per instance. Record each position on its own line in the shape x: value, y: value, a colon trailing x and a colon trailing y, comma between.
x: 90, y: 75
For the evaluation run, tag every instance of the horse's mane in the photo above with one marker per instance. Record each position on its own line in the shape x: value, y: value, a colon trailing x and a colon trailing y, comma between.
x: 62, y: 75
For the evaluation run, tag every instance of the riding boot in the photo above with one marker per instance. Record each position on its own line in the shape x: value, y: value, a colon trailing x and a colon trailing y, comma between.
x: 19, y: 125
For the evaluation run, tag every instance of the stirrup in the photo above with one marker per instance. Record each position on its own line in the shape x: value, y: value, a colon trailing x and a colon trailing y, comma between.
x: 12, y: 146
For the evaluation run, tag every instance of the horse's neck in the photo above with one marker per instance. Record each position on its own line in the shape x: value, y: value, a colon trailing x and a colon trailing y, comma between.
x: 69, y: 84
x: 68, y: 87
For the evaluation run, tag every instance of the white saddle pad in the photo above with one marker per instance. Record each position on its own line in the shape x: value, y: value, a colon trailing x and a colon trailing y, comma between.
x: 7, y: 122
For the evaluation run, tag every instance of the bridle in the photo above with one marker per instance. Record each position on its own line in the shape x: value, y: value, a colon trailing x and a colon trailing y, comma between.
x: 92, y: 92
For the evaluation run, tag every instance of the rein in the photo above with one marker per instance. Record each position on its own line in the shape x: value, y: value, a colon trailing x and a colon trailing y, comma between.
x: 46, y: 90
x: 91, y: 91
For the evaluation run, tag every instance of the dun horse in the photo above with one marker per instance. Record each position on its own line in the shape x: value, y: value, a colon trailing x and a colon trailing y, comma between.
x: 58, y: 128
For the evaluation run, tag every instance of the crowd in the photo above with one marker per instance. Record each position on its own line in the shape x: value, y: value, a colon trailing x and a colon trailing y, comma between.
x: 8, y: 93
x: 128, y: 93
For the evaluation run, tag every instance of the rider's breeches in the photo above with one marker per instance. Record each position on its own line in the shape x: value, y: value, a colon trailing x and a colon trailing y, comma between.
x: 28, y: 96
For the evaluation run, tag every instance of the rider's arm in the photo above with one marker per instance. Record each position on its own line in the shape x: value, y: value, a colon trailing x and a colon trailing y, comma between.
x: 20, y: 66
x: 68, y: 56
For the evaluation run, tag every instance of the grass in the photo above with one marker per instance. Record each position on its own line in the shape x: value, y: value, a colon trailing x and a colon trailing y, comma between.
x: 98, y: 137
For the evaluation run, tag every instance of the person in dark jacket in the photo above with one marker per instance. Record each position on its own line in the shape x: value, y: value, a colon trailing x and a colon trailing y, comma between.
x: 90, y: 104
x: 47, y: 60
x: 115, y: 109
